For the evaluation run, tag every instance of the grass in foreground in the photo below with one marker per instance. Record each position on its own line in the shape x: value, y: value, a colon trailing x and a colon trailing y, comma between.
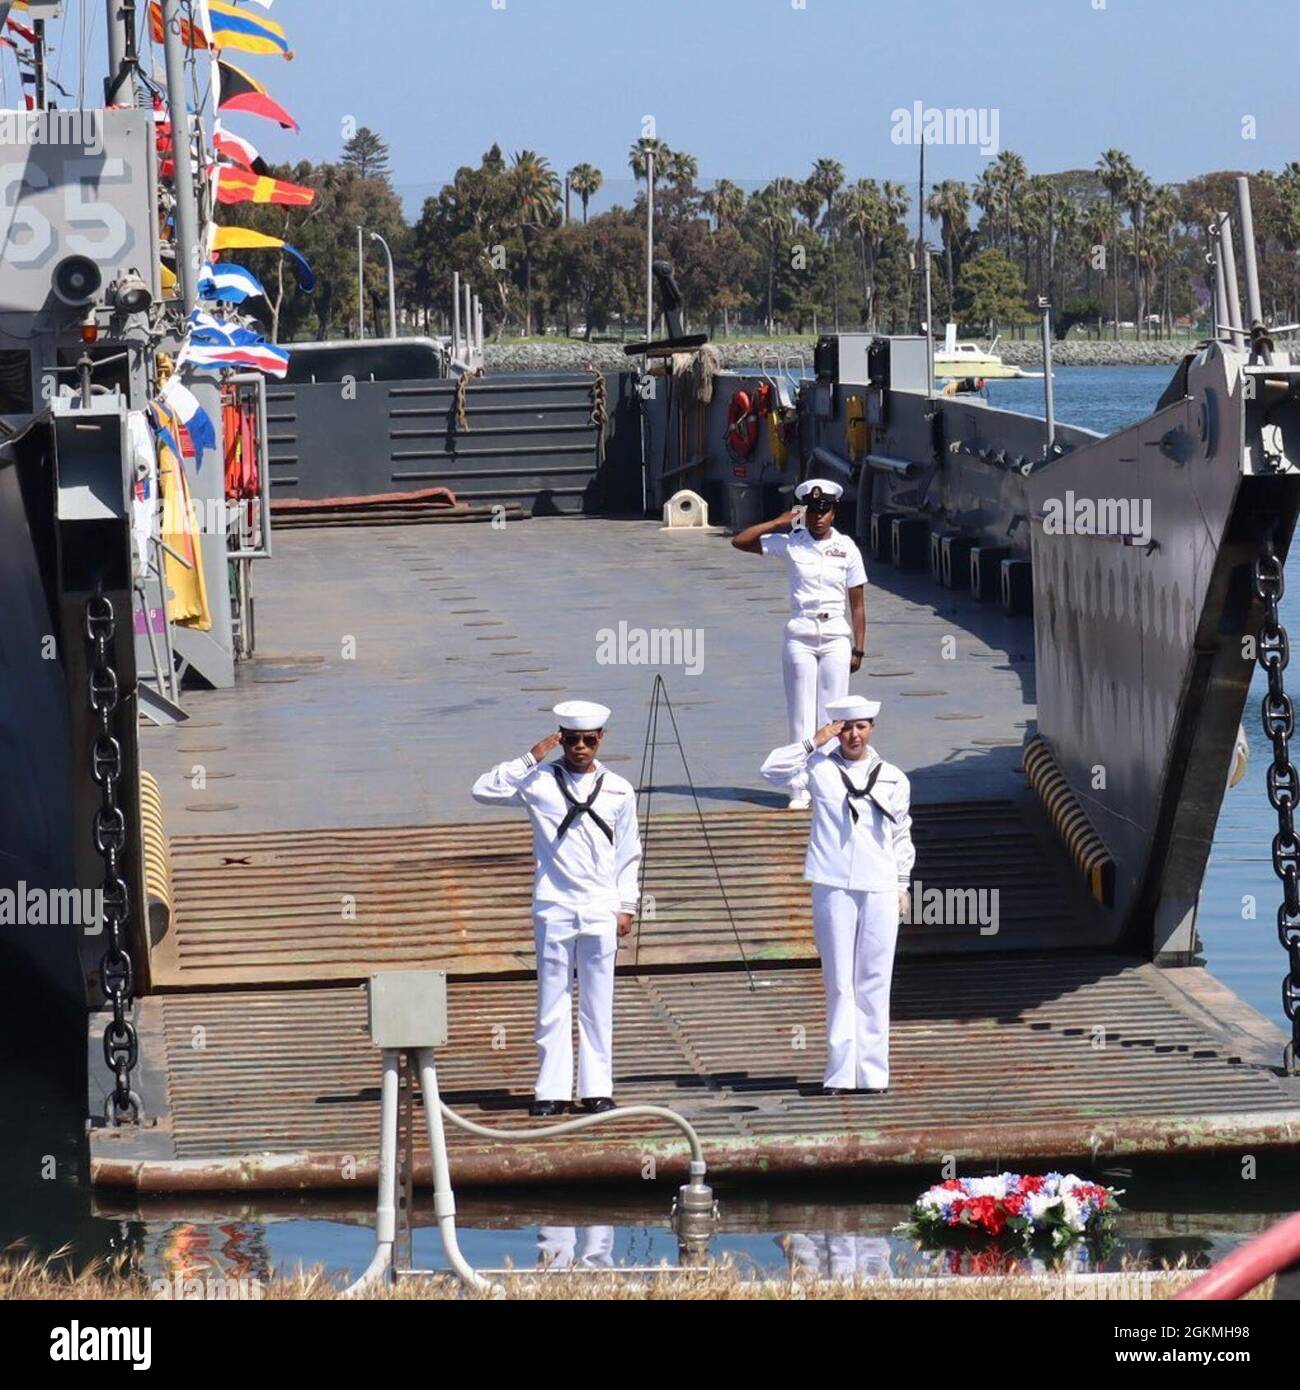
x: 27, y: 1278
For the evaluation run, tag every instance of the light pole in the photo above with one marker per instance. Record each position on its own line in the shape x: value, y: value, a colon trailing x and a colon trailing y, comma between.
x: 361, y: 284
x: 392, y: 286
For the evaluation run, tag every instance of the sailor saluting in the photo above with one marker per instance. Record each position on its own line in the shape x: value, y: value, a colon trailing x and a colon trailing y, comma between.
x: 859, y: 863
x: 824, y: 568
x: 585, y: 893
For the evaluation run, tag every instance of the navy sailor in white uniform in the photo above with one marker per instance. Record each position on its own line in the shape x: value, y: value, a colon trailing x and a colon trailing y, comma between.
x: 822, y: 645
x: 585, y: 894
x: 859, y: 862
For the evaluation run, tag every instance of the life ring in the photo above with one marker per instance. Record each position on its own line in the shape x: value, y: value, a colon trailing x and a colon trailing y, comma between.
x: 742, y: 425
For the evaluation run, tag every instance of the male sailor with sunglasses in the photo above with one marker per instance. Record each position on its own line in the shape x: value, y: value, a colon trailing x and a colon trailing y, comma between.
x: 859, y: 862
x: 585, y: 894
x: 825, y: 570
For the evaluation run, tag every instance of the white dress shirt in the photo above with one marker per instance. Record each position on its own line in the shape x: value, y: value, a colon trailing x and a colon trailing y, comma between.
x: 873, y: 853
x: 820, y: 572
x: 582, y: 871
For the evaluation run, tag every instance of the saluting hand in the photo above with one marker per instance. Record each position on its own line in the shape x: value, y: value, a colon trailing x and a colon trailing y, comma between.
x: 828, y: 732
x: 540, y: 750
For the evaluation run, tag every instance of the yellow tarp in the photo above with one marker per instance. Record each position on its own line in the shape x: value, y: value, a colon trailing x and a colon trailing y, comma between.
x: 187, y: 602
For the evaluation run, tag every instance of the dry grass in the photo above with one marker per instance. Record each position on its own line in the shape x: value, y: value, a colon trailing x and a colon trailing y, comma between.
x: 27, y: 1278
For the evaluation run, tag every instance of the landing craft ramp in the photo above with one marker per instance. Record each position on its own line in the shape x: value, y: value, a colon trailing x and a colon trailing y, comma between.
x: 398, y: 664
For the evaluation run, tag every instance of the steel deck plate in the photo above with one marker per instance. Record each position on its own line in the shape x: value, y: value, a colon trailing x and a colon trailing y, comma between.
x: 993, y: 1058
x: 339, y: 904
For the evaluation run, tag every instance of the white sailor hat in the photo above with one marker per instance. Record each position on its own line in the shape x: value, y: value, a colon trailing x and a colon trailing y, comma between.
x: 581, y: 716
x: 851, y: 707
x: 818, y: 487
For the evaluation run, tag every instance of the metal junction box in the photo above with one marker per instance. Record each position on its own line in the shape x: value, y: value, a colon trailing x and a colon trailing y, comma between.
x: 408, y: 1009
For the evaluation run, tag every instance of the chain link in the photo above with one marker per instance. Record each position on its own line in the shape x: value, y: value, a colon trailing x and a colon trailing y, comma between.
x: 108, y: 830
x: 1282, y: 780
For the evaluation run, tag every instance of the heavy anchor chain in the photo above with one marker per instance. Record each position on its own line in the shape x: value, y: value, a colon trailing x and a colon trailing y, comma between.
x: 1282, y: 781
x: 109, y: 831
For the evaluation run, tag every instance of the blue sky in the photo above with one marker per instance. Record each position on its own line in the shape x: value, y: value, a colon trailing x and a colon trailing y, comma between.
x: 754, y: 88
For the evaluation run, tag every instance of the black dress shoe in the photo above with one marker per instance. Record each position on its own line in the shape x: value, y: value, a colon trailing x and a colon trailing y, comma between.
x: 836, y: 1091
x: 873, y: 1090
x: 597, y: 1105
x: 543, y: 1108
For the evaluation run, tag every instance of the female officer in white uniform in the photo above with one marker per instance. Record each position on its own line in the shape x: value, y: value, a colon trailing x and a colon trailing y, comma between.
x: 824, y: 569
x: 859, y: 862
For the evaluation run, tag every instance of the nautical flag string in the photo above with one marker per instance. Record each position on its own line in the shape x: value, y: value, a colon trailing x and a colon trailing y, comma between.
x: 259, y: 357
x: 228, y: 282
x: 243, y: 186
x: 231, y: 28
x: 234, y: 149
x: 196, y: 420
x: 240, y: 92
x: 245, y: 239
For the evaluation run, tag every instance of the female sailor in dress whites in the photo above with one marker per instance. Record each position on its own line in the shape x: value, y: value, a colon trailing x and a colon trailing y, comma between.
x: 585, y: 894
x: 859, y: 863
x: 824, y: 569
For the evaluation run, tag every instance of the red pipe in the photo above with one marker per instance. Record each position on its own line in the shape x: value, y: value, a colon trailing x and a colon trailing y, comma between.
x: 1269, y: 1253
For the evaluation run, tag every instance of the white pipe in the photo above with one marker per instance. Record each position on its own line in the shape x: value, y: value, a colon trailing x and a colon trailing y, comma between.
x: 620, y: 1112
x: 444, y: 1200
x: 455, y: 315
x: 386, y: 1210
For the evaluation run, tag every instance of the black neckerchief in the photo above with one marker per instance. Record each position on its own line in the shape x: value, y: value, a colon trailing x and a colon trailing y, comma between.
x: 578, y: 808
x: 866, y: 793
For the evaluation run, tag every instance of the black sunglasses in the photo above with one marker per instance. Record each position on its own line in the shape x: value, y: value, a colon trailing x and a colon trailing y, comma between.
x: 580, y: 740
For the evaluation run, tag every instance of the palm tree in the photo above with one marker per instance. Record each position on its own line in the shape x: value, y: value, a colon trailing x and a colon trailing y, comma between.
x: 1159, y: 222
x: 636, y: 156
x: 726, y: 202
x: 1101, y: 225
x: 586, y: 181
x: 1136, y: 196
x: 1069, y: 220
x: 865, y: 216
x: 949, y: 206
x: 534, y: 203
x: 826, y: 179
x: 1115, y: 169
x: 772, y: 217
x: 680, y: 169
x: 987, y: 196
x: 1011, y: 175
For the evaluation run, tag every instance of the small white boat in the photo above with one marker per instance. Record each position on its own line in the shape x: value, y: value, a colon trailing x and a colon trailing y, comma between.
x: 967, y: 361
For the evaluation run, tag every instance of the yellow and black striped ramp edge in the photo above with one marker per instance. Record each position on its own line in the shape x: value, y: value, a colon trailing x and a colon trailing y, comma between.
x: 1085, y: 846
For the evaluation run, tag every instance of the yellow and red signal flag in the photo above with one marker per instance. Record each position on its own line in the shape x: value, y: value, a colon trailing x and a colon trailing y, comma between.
x: 243, y: 186
x: 232, y: 27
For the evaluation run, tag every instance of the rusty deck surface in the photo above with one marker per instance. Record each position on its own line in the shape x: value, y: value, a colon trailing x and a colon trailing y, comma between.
x: 993, y: 1058
x: 325, y: 905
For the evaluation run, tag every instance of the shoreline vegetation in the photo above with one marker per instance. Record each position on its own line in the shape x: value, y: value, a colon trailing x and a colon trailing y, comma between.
x: 1113, y: 251
x: 560, y: 354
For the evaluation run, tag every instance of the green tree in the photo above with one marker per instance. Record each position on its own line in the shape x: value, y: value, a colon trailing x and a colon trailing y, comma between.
x: 1115, y: 170
x: 586, y: 181
x: 991, y: 291
x: 367, y: 153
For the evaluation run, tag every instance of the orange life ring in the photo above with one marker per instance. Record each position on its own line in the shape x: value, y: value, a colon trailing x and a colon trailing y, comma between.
x: 742, y: 425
